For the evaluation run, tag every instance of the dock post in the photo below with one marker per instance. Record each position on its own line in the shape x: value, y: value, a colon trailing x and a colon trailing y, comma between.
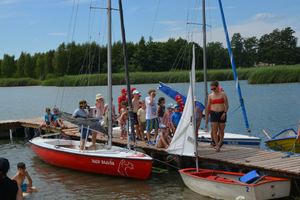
x: 10, y: 134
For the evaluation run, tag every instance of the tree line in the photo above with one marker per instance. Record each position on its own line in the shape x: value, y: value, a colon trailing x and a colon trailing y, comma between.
x: 276, y: 48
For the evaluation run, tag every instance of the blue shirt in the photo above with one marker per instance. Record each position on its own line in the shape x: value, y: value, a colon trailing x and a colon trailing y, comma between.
x: 54, y: 117
x: 80, y: 113
x: 176, y: 118
x: 47, y: 118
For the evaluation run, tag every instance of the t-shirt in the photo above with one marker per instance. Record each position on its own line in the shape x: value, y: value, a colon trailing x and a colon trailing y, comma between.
x: 54, y: 117
x: 120, y: 99
x: 47, y: 118
x: 8, y: 189
x: 80, y: 113
x: 176, y: 118
x: 142, y: 113
x: 150, y: 110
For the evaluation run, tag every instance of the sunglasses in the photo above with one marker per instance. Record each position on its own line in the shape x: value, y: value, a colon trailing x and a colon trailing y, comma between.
x: 213, y: 88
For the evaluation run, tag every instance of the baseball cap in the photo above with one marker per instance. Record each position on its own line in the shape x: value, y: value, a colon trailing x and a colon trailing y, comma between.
x: 124, y: 91
x: 135, y: 92
x: 178, y: 98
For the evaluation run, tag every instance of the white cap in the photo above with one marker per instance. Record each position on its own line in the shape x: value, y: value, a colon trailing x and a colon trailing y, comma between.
x: 135, y: 92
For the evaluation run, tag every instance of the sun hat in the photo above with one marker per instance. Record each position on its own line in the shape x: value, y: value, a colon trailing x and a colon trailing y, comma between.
x: 4, y: 165
x: 170, y: 105
x: 99, y: 96
x: 152, y: 90
x: 82, y: 103
x: 178, y: 98
x: 124, y: 91
x: 135, y: 92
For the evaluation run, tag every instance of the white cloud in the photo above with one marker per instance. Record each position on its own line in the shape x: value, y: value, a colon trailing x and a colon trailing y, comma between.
x: 267, y: 16
x: 171, y: 22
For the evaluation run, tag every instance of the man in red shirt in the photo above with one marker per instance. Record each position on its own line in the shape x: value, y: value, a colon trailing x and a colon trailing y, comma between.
x: 121, y: 98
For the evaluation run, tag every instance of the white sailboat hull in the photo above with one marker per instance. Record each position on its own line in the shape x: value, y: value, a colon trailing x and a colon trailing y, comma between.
x: 232, y: 139
x: 268, y: 188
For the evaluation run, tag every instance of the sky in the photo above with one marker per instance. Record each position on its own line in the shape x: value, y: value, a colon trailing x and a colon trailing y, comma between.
x: 37, y: 26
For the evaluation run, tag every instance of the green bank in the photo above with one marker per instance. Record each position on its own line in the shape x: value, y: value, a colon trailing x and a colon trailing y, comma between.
x: 254, y: 75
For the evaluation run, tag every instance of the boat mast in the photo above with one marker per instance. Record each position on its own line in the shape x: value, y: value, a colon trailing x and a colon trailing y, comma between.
x: 237, y: 84
x: 204, y: 59
x: 109, y: 74
x: 127, y: 73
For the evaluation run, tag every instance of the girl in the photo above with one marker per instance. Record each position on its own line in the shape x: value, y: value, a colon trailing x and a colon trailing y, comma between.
x: 167, y: 119
x: 161, y: 109
x: 122, y: 121
x: 99, y: 105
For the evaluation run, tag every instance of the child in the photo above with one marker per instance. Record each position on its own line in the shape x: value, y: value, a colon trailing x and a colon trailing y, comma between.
x: 20, y: 177
x: 167, y: 119
x: 163, y: 140
x: 141, y: 115
x: 135, y: 107
x: 123, y: 117
x: 198, y: 116
x: 99, y: 105
x: 57, y: 122
x: 161, y: 109
x: 48, y: 120
x: 175, y: 118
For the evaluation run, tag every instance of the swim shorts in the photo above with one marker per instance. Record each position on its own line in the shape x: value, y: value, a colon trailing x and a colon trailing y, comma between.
x: 152, y: 124
x: 216, y: 117
x: 135, y: 118
x: 24, y: 187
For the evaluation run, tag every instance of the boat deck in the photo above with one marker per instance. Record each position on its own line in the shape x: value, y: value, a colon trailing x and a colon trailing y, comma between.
x: 274, y: 163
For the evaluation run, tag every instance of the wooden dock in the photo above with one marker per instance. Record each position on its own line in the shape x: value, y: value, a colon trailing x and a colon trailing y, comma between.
x: 273, y: 163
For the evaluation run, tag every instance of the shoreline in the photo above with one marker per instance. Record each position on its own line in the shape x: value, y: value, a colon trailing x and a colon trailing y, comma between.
x: 254, y: 75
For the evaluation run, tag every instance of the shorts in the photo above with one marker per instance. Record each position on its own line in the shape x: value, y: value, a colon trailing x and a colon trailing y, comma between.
x: 84, y: 131
x: 24, y: 187
x: 143, y: 127
x: 216, y: 117
x: 135, y: 118
x: 152, y: 124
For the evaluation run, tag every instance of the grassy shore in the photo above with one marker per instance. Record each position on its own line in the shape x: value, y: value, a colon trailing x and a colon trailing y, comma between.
x: 254, y: 75
x: 9, y: 82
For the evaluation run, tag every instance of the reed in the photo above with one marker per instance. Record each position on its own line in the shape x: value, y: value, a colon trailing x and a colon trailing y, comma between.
x: 12, y: 82
x: 278, y: 74
x: 146, y: 77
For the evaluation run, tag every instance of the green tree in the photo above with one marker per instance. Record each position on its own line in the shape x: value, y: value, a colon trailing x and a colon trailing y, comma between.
x: 20, y: 65
x: 60, y: 60
x: 237, y: 49
x: 8, y: 66
x: 40, y: 66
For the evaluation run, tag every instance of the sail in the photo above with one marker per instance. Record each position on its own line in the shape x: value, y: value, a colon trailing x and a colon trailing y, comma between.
x: 91, y: 123
x: 184, y: 137
x: 172, y: 94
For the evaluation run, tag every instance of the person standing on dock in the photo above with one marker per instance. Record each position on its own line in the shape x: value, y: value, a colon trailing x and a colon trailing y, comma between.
x: 9, y: 189
x: 121, y: 98
x: 82, y: 112
x: 151, y: 116
x: 99, y: 105
x: 218, y: 106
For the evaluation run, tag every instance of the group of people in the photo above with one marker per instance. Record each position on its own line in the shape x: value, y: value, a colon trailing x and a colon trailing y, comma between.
x: 52, y: 119
x: 13, y: 188
x: 149, y: 114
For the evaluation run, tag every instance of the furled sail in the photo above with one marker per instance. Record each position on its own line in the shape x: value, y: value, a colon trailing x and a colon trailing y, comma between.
x: 93, y: 123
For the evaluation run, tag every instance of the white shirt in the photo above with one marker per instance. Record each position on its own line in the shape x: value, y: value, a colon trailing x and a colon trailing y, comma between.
x: 150, y: 110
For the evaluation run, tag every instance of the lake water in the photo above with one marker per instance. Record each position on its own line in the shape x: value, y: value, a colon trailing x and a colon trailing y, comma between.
x: 269, y: 107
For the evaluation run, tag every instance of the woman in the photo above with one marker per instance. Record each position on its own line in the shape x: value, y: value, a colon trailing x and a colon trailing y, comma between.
x: 218, y: 106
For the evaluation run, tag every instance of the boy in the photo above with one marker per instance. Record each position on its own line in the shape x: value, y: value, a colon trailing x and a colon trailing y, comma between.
x: 141, y: 116
x: 48, y: 120
x: 135, y: 107
x: 151, y: 115
x: 175, y: 118
x: 20, y: 177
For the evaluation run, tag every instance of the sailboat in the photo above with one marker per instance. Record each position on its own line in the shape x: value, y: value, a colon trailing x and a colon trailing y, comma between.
x: 204, y: 135
x: 99, y: 158
x: 213, y: 183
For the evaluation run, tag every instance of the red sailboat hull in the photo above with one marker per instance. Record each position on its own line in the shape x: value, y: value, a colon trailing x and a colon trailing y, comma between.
x: 133, y: 166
